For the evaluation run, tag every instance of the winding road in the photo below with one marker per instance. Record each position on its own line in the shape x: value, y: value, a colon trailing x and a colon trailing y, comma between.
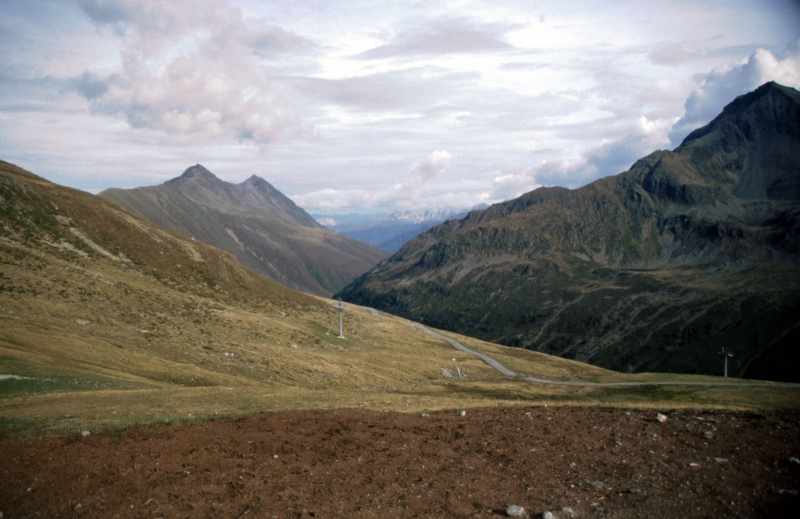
x: 507, y: 372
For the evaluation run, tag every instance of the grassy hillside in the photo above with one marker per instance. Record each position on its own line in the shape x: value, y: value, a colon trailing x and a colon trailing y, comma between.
x: 107, y: 320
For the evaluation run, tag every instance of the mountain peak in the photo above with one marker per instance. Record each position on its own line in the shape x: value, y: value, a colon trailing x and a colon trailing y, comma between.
x: 196, y: 171
x: 256, y: 181
x: 773, y: 96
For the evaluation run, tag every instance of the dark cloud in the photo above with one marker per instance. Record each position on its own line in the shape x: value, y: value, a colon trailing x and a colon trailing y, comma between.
x: 89, y: 85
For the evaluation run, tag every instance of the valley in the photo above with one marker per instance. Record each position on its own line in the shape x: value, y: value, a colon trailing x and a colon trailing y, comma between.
x: 168, y: 329
x: 121, y: 339
x: 654, y: 269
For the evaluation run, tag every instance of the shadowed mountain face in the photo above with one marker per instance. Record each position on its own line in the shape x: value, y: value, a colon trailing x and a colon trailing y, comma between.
x: 654, y: 269
x: 256, y: 223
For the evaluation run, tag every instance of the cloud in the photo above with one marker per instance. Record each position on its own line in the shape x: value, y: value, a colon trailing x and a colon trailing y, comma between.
x: 510, y: 184
x: 382, y: 91
x: 454, y: 36
x: 192, y: 70
x: 89, y: 85
x: 608, y: 159
x: 406, y: 194
x: 422, y: 173
x: 722, y: 85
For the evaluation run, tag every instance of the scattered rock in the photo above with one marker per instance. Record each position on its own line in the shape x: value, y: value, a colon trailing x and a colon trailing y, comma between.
x: 275, y: 456
x: 596, y: 483
x: 627, y: 413
x: 515, y: 511
x: 705, y: 419
x: 708, y: 434
x: 85, y: 433
x: 424, y: 414
x: 661, y: 417
x: 77, y: 506
x: 792, y: 459
x: 564, y: 513
x: 463, y: 413
x: 694, y: 465
x: 789, y: 491
x: 721, y: 460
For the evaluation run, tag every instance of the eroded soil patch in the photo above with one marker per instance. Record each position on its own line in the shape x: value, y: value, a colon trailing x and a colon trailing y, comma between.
x: 352, y: 463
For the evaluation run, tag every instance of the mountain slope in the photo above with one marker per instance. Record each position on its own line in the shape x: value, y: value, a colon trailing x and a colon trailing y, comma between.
x: 256, y: 223
x: 106, y: 317
x: 652, y: 269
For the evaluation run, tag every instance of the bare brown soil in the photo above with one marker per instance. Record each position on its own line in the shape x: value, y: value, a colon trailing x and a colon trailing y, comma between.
x: 353, y: 463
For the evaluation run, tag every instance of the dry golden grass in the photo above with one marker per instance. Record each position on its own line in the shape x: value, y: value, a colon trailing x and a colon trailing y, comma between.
x: 182, y: 332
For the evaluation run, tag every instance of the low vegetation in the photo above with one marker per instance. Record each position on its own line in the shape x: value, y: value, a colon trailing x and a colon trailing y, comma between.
x: 107, y: 321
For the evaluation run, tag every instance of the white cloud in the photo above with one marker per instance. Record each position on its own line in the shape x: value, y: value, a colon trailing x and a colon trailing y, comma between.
x: 451, y: 36
x: 192, y: 71
x: 723, y: 84
x: 510, y: 184
x: 610, y: 158
x: 343, y: 102
x: 405, y: 194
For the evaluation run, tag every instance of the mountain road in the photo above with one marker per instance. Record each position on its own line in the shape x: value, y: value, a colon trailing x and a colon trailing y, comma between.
x: 509, y: 373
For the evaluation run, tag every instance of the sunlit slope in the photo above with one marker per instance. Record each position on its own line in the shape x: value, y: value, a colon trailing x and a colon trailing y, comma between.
x: 108, y: 320
x: 88, y: 286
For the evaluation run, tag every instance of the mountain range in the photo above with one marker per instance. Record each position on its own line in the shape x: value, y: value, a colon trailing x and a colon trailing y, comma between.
x: 256, y: 223
x: 391, y: 231
x: 654, y: 269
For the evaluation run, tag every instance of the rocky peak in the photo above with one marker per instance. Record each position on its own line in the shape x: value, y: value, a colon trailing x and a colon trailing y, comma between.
x: 197, y: 171
x: 770, y: 105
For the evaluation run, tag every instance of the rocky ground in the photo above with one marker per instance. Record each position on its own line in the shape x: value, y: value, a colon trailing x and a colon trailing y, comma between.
x: 579, y: 462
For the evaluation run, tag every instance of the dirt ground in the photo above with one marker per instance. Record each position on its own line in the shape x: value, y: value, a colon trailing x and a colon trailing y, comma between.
x: 354, y: 463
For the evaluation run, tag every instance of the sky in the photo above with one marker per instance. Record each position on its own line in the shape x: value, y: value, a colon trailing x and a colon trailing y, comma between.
x: 358, y: 106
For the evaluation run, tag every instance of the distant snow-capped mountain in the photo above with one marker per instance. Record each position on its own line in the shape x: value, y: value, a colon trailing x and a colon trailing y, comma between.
x: 391, y: 230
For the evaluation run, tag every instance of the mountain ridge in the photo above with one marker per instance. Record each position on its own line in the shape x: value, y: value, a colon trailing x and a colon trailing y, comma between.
x: 598, y: 273
x: 255, y: 222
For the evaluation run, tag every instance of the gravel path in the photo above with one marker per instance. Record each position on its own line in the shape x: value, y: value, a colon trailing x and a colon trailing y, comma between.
x: 507, y: 372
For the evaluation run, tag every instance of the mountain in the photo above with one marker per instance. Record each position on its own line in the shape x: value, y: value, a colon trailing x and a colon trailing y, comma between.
x: 255, y: 222
x: 654, y: 269
x: 391, y: 231
x: 108, y: 320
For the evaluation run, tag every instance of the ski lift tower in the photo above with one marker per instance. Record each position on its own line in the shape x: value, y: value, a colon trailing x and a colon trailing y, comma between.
x: 341, y: 307
x: 725, y: 353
